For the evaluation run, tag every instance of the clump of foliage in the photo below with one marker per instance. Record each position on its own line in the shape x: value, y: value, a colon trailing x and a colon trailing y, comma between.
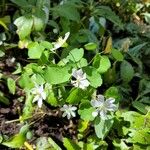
x: 84, y: 63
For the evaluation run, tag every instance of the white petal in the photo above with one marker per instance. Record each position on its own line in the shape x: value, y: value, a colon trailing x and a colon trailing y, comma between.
x: 68, y: 116
x: 103, y: 114
x: 110, y: 100
x: 60, y: 41
x: 80, y: 73
x: 95, y: 113
x: 85, y: 83
x: 100, y: 98
x: 73, y: 114
x: 66, y: 36
x: 36, y: 98
x: 43, y: 94
x: 81, y: 86
x: 65, y: 107
x: 40, y: 102
x: 73, y: 108
x: 112, y: 107
x: 74, y: 73
x: 40, y: 89
x: 109, y: 104
x: 96, y: 103
x: 84, y: 76
x: 64, y: 114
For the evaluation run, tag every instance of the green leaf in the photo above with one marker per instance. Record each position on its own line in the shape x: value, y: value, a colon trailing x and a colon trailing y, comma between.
x: 106, y: 12
x: 51, y: 99
x: 136, y: 50
x: 3, y: 99
x: 141, y: 136
x: 110, y: 76
x: 139, y: 106
x: 24, y: 129
x: 11, y: 85
x: 120, y: 144
x: 1, y: 138
x: 16, y: 141
x: 21, y: 3
x: 76, y: 54
x: 102, y: 127
x: 42, y: 144
x: 24, y: 26
x: 112, y: 92
x: 28, y: 107
x: 35, y: 50
x: 75, y: 96
x: 147, y: 16
x: 101, y: 63
x: 25, y: 81
x: 68, y: 11
x: 83, y: 125
x: 18, y: 69
x: 82, y: 63
x: 53, y: 144
x: 46, y: 45
x: 90, y: 46
x: 117, y: 55
x: 126, y: 71
x: 85, y: 111
x: 70, y: 145
x: 38, y: 23
x: 93, y: 76
x: 136, y: 120
x: 57, y: 75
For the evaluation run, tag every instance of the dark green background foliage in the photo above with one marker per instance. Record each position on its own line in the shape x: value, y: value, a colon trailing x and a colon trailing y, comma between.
x: 109, y: 40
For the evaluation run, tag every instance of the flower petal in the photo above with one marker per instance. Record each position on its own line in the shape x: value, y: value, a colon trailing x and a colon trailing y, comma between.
x: 68, y: 116
x: 100, y: 98
x: 66, y: 36
x: 40, y: 89
x: 96, y: 103
x: 80, y: 73
x: 103, y: 114
x: 40, y: 102
x: 84, y: 83
x: 73, y: 108
x: 110, y: 100
x: 60, y: 41
x: 73, y: 114
x: 112, y: 107
x: 36, y: 98
x: 43, y: 95
x: 64, y: 114
x: 94, y: 114
x: 74, y: 73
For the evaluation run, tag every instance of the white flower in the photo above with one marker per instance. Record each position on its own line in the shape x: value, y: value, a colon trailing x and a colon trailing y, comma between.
x: 102, y: 106
x: 39, y: 95
x: 81, y: 80
x: 68, y: 111
x: 60, y: 42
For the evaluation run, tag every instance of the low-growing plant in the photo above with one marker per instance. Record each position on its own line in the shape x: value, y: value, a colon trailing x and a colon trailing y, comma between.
x: 68, y: 64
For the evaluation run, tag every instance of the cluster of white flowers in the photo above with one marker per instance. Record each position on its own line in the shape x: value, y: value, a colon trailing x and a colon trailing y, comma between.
x: 102, y: 106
